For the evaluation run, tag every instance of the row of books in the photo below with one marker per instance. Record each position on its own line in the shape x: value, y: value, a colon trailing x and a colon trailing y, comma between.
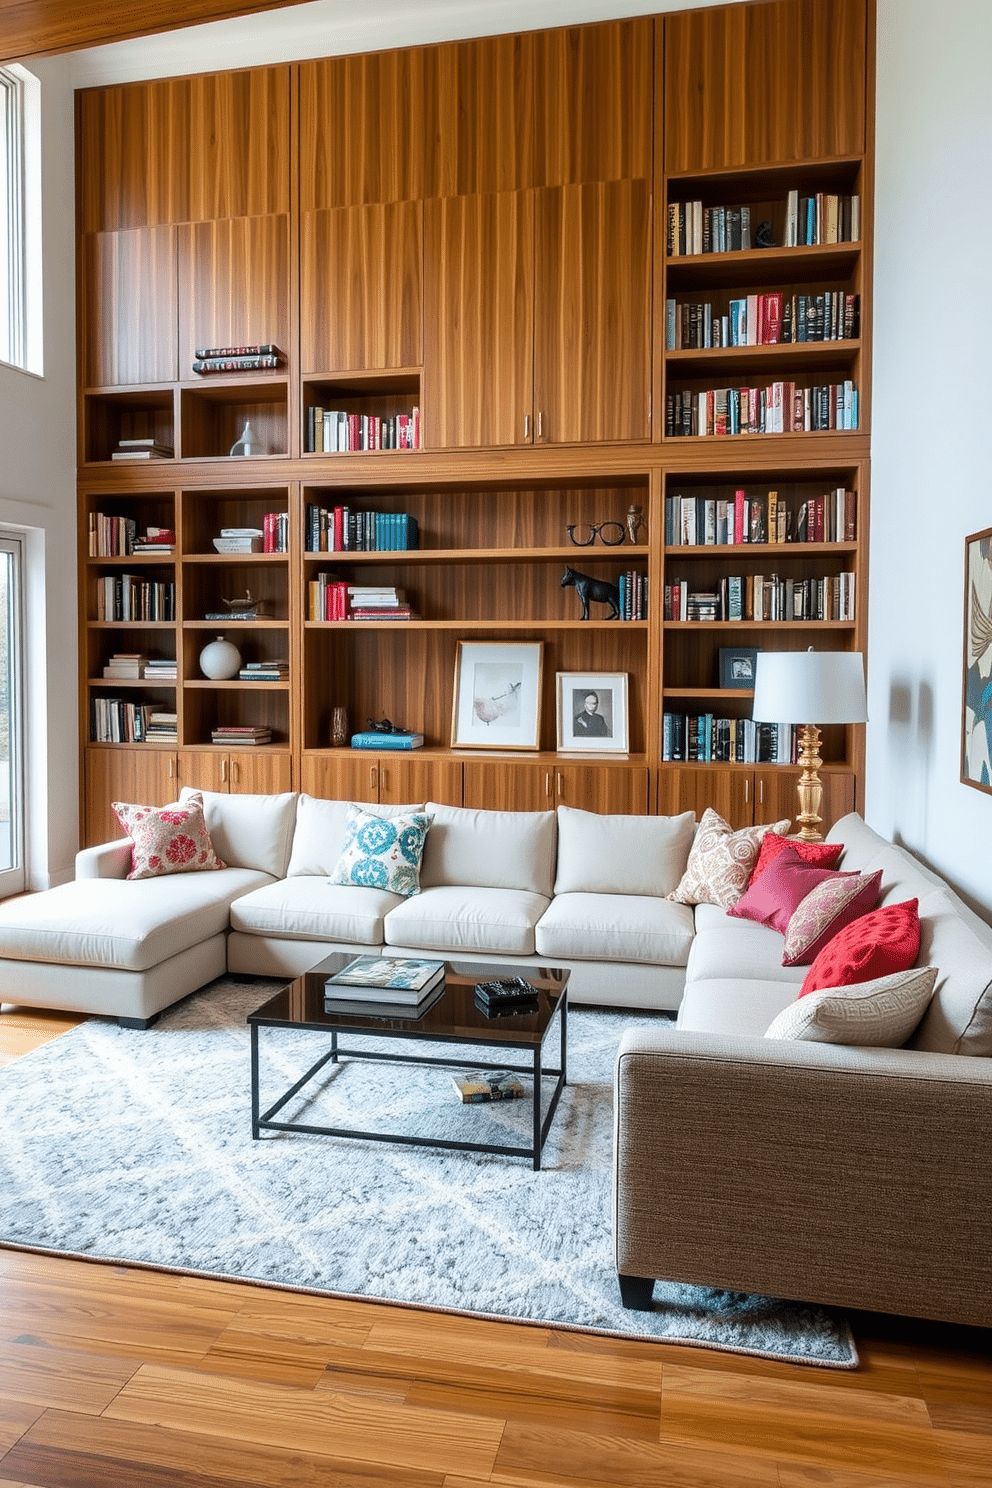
x: 240, y: 736
x: 333, y: 599
x: 275, y: 532
x: 762, y: 320
x: 633, y: 595
x: 117, y: 721
x: 778, y: 408
x: 332, y: 430
x: 341, y: 529
x: 130, y: 597
x: 825, y: 217
x: 702, y: 738
x: 739, y: 597
x: 693, y: 521
x: 259, y: 357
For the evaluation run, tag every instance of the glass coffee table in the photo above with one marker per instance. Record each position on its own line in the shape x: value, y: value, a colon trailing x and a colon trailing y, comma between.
x: 453, y: 1019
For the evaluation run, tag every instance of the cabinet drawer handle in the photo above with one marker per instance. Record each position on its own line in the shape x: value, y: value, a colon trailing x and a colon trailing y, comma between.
x: 235, y: 773
x: 372, y: 777
x: 761, y: 793
x: 171, y: 767
x: 547, y: 784
x: 540, y: 425
x: 526, y: 425
x: 747, y: 790
x: 223, y: 771
x: 561, y: 784
x: 385, y: 778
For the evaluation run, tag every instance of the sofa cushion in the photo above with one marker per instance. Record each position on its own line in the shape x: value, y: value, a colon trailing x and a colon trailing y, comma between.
x: 820, y: 854
x: 382, y: 852
x: 621, y: 854
x: 319, y: 833
x: 310, y: 908
x: 740, y: 948
x: 490, y: 849
x: 167, y: 839
x: 959, y: 1018
x: 825, y: 911
x: 130, y: 926
x: 875, y: 945
x: 720, y: 861
x: 733, y: 1005
x: 455, y: 918
x: 779, y: 891
x: 249, y: 831
x: 879, y: 1015
x: 615, y: 927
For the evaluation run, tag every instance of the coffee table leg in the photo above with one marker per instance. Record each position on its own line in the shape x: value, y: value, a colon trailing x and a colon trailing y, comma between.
x: 254, y: 1081
x: 537, y: 1108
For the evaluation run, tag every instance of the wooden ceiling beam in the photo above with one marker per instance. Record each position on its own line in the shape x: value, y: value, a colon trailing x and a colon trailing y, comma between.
x: 38, y: 28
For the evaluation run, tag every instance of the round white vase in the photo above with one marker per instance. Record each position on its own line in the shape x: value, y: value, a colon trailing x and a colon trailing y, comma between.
x: 220, y: 660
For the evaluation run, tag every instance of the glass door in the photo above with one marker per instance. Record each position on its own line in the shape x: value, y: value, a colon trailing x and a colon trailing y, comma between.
x: 11, y: 720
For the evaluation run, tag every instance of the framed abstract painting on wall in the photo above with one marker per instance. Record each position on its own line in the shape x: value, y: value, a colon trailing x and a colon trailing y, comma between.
x: 976, y: 706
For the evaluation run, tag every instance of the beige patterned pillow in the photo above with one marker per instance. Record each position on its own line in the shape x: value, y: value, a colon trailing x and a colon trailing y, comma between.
x: 721, y: 860
x: 878, y: 1015
x: 827, y: 908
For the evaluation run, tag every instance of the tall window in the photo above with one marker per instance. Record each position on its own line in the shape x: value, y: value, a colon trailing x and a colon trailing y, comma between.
x: 11, y: 720
x: 20, y: 218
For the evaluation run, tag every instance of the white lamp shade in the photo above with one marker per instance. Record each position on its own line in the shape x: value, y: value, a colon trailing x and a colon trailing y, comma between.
x: 810, y: 687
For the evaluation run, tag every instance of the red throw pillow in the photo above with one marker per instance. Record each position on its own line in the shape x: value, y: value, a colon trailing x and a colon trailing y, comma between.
x: 876, y: 945
x: 820, y: 854
x: 783, y: 886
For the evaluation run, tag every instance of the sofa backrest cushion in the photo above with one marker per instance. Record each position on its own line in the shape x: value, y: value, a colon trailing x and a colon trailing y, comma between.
x: 490, y: 849
x: 320, y: 831
x: 621, y: 854
x: 959, y: 1018
x: 249, y: 831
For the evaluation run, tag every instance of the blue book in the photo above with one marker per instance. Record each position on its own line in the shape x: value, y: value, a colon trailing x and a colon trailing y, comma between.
x: 373, y: 740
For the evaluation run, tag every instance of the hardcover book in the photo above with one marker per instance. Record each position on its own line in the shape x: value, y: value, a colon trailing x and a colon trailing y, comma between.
x: 488, y: 1085
x: 401, y: 979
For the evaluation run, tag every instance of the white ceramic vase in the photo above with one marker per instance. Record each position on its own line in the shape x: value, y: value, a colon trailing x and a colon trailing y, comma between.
x: 220, y: 660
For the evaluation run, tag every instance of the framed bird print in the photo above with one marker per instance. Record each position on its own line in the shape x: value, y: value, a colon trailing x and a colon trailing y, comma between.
x: 497, y: 700
x: 976, y: 706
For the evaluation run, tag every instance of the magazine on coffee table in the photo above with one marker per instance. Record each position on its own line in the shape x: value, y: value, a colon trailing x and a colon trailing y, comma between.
x: 385, y: 979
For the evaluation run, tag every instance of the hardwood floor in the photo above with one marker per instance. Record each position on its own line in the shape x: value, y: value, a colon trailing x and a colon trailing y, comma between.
x: 118, y: 1377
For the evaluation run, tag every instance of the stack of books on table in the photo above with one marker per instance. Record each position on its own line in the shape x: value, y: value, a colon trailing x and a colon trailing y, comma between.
x: 142, y: 449
x: 161, y: 728
x: 125, y: 666
x: 161, y: 669
x: 240, y: 736
x: 264, y: 671
x: 240, y: 540
x: 378, y: 602
x: 384, y: 987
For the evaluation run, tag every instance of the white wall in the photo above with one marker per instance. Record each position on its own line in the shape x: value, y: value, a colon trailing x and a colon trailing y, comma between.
x: 932, y: 483
x: 37, y: 497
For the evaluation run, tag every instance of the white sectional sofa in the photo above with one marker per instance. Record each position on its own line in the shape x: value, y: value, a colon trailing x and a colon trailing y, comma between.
x: 572, y: 889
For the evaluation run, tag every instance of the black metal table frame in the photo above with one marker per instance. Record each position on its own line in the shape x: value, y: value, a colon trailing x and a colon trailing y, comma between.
x: 263, y: 1120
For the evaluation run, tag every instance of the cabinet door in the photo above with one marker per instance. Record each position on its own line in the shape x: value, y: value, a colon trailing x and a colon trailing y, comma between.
x: 203, y: 769
x: 128, y: 306
x: 143, y: 777
x: 592, y: 344
x: 509, y: 785
x: 233, y: 284
x: 403, y: 779
x: 256, y: 774
x: 693, y: 788
x: 605, y: 788
x: 341, y: 777
x: 776, y: 796
x: 479, y: 332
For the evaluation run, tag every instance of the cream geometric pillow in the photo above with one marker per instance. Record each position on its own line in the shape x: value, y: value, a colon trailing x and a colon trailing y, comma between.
x: 876, y: 1015
x: 721, y: 860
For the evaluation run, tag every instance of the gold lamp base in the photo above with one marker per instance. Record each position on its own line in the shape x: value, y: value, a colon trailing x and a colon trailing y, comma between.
x: 810, y: 788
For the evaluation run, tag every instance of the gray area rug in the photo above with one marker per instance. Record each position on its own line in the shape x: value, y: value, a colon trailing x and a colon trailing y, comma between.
x: 136, y: 1147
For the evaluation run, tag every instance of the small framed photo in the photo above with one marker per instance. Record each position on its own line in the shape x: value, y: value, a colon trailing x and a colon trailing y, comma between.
x: 976, y: 702
x: 737, y: 666
x: 497, y: 700
x: 592, y: 711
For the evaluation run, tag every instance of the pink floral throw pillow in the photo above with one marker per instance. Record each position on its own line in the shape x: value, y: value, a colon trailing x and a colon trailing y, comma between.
x: 721, y: 860
x: 167, y: 839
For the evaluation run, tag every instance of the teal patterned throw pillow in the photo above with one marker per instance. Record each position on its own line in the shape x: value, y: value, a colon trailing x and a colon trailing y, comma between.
x: 382, y: 852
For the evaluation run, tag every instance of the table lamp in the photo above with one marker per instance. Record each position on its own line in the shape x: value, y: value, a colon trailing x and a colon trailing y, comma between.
x: 800, y: 686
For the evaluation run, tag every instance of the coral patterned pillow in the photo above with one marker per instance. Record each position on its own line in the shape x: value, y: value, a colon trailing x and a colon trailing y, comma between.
x: 167, y: 839
x: 819, y: 854
x: 825, y: 911
x: 876, y: 945
x: 786, y: 885
x: 720, y: 861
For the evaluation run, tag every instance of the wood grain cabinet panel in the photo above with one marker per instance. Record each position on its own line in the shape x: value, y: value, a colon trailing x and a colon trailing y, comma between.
x: 694, y: 788
x: 128, y: 306
x: 248, y: 772
x: 362, y: 288
x: 544, y: 783
x: 234, y: 284
x: 612, y: 789
x: 480, y: 108
x: 509, y: 785
x: 478, y: 354
x: 143, y: 776
x: 754, y: 84
x: 392, y: 778
x: 132, y: 152
x: 239, y: 163
x: 362, y: 126
x: 592, y: 345
x: 593, y: 91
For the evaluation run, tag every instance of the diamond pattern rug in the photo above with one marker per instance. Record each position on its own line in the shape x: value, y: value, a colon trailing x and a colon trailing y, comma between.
x: 135, y: 1147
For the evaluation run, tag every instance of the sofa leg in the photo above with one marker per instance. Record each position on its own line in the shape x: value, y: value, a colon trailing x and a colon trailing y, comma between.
x: 137, y: 1022
x: 636, y: 1292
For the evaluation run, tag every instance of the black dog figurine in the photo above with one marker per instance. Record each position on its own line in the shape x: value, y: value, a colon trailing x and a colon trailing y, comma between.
x: 587, y: 588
